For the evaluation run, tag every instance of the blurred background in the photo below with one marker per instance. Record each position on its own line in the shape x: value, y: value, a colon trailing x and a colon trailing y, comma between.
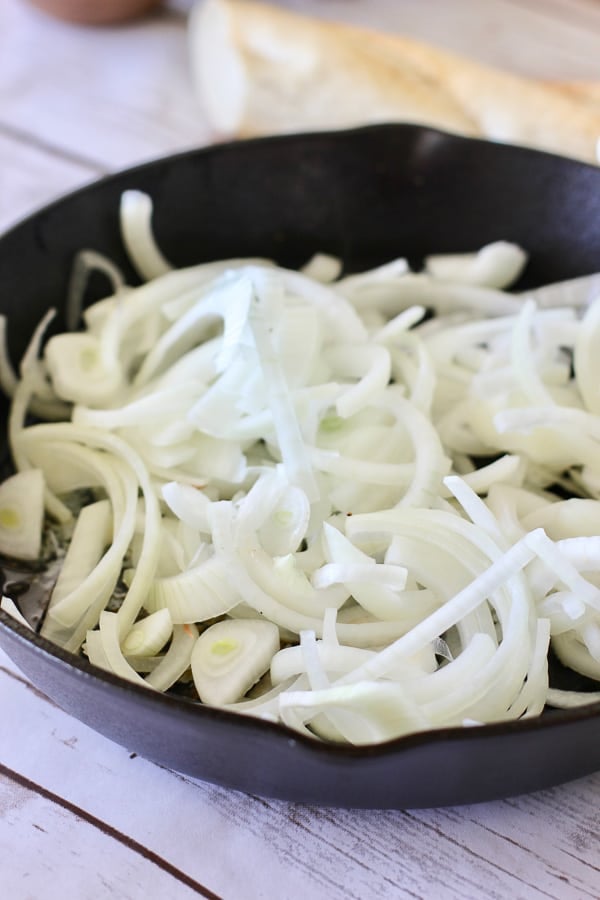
x: 78, y: 101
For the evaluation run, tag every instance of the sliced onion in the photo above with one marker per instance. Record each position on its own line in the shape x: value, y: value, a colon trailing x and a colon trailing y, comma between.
x: 317, y: 464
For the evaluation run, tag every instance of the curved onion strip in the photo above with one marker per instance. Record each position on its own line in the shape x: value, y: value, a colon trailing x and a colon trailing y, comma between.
x: 495, y: 265
x: 86, y: 262
x: 176, y: 660
x: 586, y: 358
x: 365, y: 635
x: 122, y: 490
x: 271, y: 393
x: 136, y: 230
x: 93, y: 531
x: 138, y: 589
x: 109, y: 637
x: 509, y: 564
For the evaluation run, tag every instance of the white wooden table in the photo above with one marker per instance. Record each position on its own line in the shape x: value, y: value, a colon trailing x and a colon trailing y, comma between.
x: 83, y: 818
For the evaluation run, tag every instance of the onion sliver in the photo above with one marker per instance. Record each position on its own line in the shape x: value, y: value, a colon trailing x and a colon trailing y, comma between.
x: 268, y: 456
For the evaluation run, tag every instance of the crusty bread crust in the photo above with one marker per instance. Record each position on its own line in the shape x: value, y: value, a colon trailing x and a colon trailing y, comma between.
x: 294, y: 73
x: 585, y: 92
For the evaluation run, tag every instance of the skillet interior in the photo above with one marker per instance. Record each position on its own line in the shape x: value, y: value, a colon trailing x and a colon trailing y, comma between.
x: 365, y: 195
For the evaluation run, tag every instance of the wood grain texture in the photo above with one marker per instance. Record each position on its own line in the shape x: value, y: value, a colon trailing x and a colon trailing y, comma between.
x: 81, y: 817
x: 235, y: 845
x: 57, y: 845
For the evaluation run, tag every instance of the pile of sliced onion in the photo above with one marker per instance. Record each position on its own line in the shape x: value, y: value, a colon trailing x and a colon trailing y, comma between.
x: 309, y: 498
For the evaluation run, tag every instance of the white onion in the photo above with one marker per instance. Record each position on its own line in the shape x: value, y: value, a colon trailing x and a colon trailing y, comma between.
x: 304, y: 459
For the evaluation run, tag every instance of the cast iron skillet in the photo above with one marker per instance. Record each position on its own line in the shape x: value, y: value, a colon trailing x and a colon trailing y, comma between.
x: 366, y: 195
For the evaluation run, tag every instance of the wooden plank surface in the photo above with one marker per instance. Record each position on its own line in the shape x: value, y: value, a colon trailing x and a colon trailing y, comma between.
x: 79, y: 816
x: 541, y: 38
x: 543, y: 845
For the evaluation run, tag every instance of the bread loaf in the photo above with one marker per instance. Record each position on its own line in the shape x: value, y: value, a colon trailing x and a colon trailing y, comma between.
x: 259, y: 69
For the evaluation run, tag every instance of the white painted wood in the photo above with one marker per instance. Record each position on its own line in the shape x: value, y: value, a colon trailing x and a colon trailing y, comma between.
x: 241, y: 846
x: 31, y: 176
x: 48, y: 851
x: 81, y: 818
x: 547, y: 39
x: 105, y: 98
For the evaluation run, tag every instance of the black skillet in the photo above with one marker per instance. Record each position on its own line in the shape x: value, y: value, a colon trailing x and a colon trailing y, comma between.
x: 366, y: 195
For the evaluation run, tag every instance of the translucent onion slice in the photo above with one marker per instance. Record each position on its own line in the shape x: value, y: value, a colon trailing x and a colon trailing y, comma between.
x: 291, y: 442
x: 189, y: 504
x: 139, y: 476
x: 335, y: 660
x: 136, y: 231
x: 8, y: 376
x: 99, y: 581
x: 283, y: 580
x: 229, y: 657
x: 386, y: 273
x: 148, y: 636
x: 370, y: 363
x: 271, y: 393
x: 384, y: 709
x: 176, y: 660
x: 570, y: 699
x: 195, y: 595
x: 283, y: 530
x: 111, y: 649
x: 322, y: 267
x: 443, y: 297
x: 586, y: 358
x: 496, y: 265
x: 22, y: 514
x: 78, y: 371
x: 86, y: 262
x: 10, y: 608
x: 509, y: 564
x: 92, y: 533
x: 573, y: 653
